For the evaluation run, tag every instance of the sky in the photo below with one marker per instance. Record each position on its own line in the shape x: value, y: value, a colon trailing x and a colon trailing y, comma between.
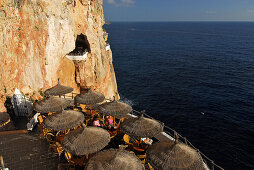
x: 179, y: 10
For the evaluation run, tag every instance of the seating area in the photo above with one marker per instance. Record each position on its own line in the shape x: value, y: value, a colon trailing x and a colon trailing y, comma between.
x: 88, y: 115
x: 82, y: 131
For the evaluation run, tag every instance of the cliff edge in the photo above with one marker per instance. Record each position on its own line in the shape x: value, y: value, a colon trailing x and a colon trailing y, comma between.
x: 36, y: 36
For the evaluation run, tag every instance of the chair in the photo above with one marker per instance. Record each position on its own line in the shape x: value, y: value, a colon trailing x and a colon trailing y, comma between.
x: 88, y: 119
x: 50, y: 137
x: 44, y: 131
x: 40, y: 118
x: 68, y: 157
x: 75, y: 109
x: 112, y: 133
x: 57, y: 148
x: 142, y: 158
x: 75, y: 161
x: 126, y: 139
x: 60, y: 135
x: 150, y: 166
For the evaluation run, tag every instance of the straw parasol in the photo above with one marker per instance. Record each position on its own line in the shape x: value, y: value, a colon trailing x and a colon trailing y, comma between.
x: 89, y: 98
x: 115, y: 108
x: 83, y: 141
x: 67, y: 119
x: 174, y: 155
x: 58, y: 90
x: 141, y: 126
x: 51, y: 104
x: 114, y: 159
x: 4, y: 118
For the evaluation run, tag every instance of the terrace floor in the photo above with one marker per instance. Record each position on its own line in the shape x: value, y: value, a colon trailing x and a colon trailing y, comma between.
x: 25, y: 150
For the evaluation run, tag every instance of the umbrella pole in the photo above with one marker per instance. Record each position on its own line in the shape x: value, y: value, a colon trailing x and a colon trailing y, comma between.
x: 103, y: 119
x: 120, y: 122
x: 114, y: 120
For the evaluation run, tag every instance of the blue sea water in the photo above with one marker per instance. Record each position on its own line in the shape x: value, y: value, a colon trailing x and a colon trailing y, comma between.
x: 196, y: 77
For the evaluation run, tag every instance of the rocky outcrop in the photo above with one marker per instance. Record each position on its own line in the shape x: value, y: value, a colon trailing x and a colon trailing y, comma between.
x: 36, y: 35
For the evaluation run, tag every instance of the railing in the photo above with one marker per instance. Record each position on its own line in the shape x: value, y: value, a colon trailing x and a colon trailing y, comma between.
x: 209, y: 162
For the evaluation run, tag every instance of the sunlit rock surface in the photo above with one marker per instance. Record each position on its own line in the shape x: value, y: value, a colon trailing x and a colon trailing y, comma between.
x: 35, y: 36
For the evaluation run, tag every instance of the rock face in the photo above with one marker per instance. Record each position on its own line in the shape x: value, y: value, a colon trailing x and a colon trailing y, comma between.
x: 35, y: 37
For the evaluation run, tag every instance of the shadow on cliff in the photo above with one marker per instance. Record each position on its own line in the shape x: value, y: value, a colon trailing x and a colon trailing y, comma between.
x: 9, y: 108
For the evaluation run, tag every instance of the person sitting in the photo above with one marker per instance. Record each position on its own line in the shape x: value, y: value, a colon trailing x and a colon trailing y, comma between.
x: 109, y: 122
x: 96, y: 122
x: 147, y: 141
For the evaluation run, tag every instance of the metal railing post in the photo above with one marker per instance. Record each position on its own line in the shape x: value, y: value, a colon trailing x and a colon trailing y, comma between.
x: 212, y: 165
x: 185, y: 140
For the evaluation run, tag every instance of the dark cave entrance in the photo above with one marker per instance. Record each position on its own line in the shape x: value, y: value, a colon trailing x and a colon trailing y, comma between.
x: 81, y: 45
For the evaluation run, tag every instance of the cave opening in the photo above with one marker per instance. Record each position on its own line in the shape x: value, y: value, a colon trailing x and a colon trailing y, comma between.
x: 81, y: 46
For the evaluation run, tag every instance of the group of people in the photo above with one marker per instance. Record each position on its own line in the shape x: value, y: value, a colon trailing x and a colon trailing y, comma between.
x: 109, y: 122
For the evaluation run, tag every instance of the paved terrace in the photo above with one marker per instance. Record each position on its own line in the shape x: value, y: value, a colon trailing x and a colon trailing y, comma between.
x: 23, y: 151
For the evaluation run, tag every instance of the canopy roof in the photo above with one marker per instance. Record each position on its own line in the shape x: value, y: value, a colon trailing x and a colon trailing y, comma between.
x: 114, y: 159
x: 141, y: 127
x: 87, y: 140
x: 67, y: 119
x: 58, y: 90
x: 51, y: 104
x: 172, y: 155
x: 115, y: 108
x: 89, y: 98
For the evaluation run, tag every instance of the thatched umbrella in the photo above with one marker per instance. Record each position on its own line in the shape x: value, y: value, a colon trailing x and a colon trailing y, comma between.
x: 58, y: 90
x: 4, y: 118
x: 174, y: 155
x: 89, y: 98
x: 51, y: 104
x: 115, y: 108
x: 141, y: 127
x: 83, y: 141
x: 67, y: 119
x: 114, y: 159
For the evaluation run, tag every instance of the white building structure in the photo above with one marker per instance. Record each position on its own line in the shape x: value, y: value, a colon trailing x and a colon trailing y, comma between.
x: 77, y: 57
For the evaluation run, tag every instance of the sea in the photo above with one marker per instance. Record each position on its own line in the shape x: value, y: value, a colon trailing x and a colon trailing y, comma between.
x: 196, y: 77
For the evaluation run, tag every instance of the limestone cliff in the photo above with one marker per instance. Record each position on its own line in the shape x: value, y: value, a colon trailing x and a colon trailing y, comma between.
x: 35, y: 37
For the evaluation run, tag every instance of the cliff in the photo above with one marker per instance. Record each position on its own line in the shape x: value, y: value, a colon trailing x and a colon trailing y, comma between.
x: 36, y: 36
